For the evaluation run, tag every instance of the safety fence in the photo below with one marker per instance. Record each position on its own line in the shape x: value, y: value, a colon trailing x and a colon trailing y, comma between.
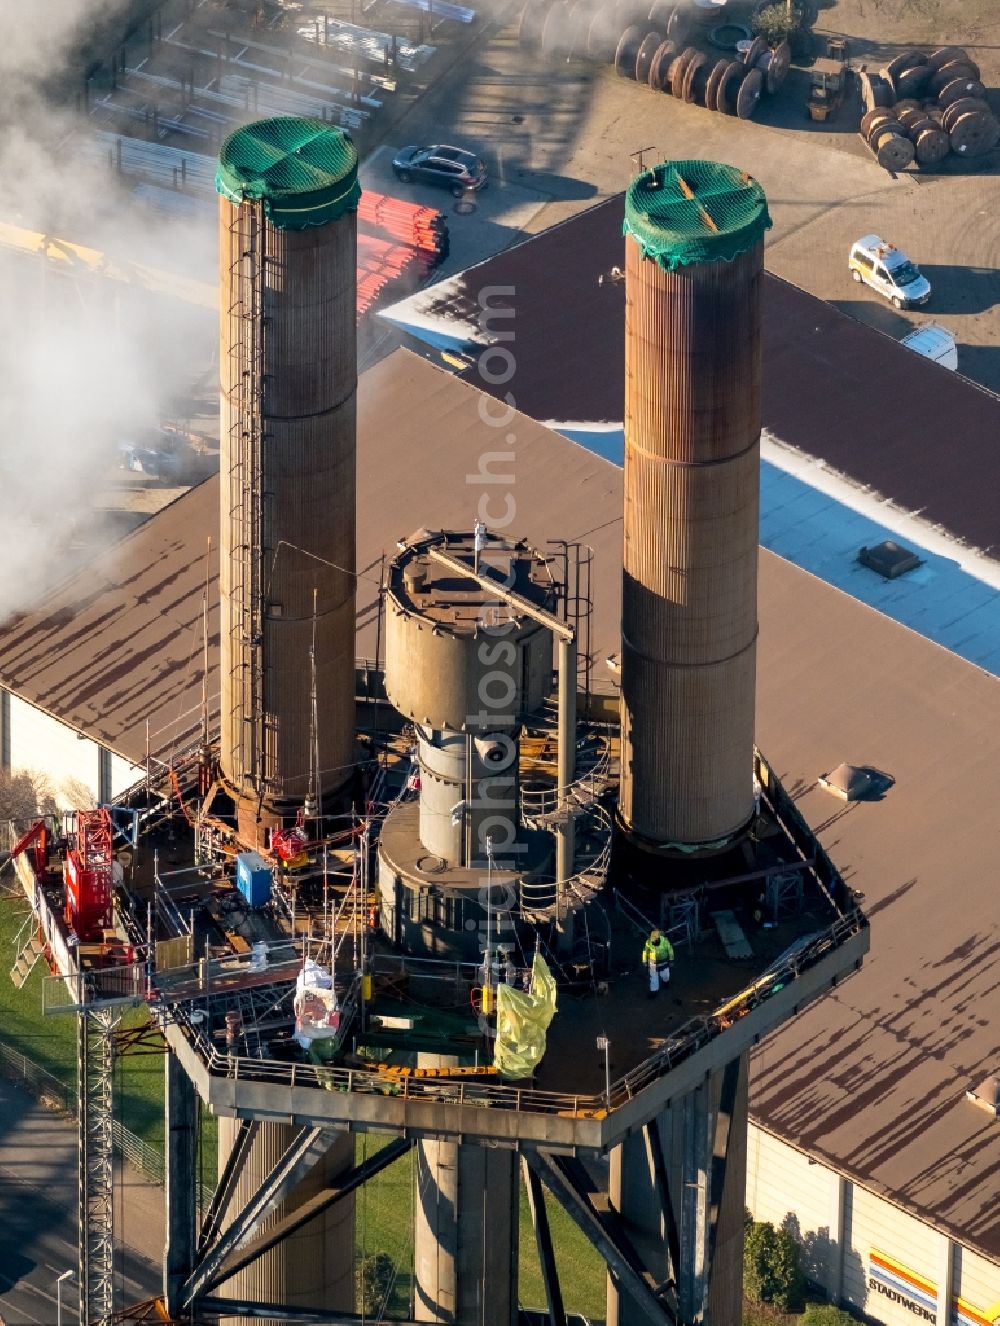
x: 146, y: 1157
x: 687, y: 1040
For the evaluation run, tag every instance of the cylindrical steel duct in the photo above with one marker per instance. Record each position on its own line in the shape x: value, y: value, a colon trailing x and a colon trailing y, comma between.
x: 694, y: 268
x: 288, y: 361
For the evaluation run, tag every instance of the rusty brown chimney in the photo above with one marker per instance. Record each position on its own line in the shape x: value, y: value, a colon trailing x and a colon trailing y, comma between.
x: 288, y: 252
x: 694, y: 268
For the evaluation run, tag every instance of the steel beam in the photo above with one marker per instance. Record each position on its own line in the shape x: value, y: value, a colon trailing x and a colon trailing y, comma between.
x: 235, y: 1161
x: 307, y: 1148
x: 239, y: 1307
x: 658, y: 1165
x: 543, y: 1240
x: 567, y: 1180
x: 312, y: 1207
x: 720, y: 1156
x: 181, y: 1152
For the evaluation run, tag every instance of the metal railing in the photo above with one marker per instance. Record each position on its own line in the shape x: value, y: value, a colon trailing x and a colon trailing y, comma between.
x: 692, y: 1036
x: 98, y: 987
x: 537, y: 896
x: 538, y: 804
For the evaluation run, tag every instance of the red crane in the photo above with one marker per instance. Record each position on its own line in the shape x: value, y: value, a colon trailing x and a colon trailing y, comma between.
x: 88, y: 874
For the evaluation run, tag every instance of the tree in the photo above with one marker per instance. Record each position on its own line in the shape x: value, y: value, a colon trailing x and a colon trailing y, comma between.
x: 779, y: 21
x: 825, y: 1314
x: 24, y: 795
x: 376, y: 1276
x: 772, y: 1266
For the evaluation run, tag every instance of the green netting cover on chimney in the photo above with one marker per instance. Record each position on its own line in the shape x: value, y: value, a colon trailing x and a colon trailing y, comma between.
x: 684, y: 212
x: 305, y: 172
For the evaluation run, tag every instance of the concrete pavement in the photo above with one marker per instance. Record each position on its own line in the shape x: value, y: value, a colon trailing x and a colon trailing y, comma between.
x: 564, y: 131
x: 38, y: 1217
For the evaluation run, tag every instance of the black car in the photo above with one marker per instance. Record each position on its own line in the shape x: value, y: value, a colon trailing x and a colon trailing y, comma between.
x: 450, y: 167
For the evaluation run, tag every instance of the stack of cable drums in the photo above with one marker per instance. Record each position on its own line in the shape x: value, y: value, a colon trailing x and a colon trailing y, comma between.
x: 925, y: 108
x: 657, y: 44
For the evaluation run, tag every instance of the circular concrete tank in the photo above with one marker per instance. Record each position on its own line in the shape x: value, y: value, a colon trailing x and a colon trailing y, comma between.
x: 465, y: 666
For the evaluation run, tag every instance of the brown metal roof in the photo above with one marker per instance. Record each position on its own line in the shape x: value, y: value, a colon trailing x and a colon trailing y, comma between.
x: 834, y: 387
x: 121, y: 640
x: 873, y: 1077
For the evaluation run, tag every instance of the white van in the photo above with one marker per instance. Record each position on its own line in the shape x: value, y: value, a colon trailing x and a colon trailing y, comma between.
x: 889, y: 271
x: 934, y: 342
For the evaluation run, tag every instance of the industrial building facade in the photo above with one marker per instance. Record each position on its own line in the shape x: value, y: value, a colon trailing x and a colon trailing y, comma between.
x: 68, y: 761
x: 865, y: 1253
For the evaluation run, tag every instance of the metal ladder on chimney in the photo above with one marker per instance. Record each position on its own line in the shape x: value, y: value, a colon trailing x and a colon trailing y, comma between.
x: 578, y: 606
x: 246, y: 497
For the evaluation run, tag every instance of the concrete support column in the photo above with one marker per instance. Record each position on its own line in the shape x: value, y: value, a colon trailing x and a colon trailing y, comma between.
x: 465, y: 1234
x: 703, y: 1148
x: 315, y: 1266
x: 4, y: 728
x: 838, y: 1232
x: 945, y: 1280
x: 105, y: 791
x: 180, y: 1185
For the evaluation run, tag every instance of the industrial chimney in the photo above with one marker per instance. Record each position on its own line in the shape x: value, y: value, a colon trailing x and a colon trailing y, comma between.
x: 288, y: 360
x: 694, y: 267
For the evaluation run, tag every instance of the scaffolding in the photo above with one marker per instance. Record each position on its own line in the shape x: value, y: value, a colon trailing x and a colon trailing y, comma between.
x: 95, y: 1187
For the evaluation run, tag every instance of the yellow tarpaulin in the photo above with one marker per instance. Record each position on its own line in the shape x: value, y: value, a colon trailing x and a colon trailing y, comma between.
x: 522, y: 1020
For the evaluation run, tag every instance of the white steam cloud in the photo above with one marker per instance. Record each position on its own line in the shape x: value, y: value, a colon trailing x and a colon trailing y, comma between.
x: 86, y: 363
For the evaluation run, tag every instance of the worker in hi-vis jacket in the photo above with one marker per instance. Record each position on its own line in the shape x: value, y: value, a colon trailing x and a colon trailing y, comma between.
x: 657, y: 954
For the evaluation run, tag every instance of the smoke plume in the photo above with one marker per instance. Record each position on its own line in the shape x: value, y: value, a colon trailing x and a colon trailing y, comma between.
x: 88, y: 365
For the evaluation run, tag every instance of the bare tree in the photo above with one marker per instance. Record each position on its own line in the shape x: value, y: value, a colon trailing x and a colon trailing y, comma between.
x: 25, y: 795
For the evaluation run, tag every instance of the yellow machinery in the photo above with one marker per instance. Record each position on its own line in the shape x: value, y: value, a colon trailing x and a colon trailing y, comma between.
x: 826, y: 90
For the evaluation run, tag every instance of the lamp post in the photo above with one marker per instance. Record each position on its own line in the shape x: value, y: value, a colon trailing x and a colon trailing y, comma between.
x: 60, y: 1281
x: 604, y: 1044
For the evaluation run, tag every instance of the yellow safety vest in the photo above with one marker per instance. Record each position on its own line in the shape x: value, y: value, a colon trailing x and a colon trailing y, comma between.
x: 658, y: 953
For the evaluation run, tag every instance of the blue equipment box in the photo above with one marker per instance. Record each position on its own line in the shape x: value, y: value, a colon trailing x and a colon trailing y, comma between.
x: 253, y: 878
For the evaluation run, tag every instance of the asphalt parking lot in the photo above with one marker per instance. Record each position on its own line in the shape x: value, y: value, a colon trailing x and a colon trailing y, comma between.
x: 561, y: 133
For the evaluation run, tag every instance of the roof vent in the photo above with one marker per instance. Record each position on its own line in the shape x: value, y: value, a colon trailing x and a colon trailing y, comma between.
x: 889, y: 559
x: 857, y: 782
x: 987, y: 1095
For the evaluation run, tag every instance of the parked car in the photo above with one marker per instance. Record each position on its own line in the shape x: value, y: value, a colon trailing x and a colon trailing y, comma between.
x: 448, y: 167
x: 889, y: 271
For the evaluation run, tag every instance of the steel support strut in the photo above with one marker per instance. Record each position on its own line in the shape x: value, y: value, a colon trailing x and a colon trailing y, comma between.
x: 569, y: 1183
x: 312, y: 1207
x: 219, y: 1205
x: 543, y: 1240
x: 720, y: 1157
x: 306, y: 1149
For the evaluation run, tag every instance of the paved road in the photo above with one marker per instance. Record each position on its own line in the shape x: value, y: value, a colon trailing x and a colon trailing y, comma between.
x: 564, y: 131
x: 38, y: 1217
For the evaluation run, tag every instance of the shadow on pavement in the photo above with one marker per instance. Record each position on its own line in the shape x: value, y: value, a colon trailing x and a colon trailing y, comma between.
x: 981, y: 363
x: 958, y: 289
